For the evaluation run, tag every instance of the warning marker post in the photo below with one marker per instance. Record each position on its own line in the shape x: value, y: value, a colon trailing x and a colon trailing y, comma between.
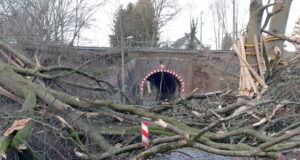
x: 145, y: 134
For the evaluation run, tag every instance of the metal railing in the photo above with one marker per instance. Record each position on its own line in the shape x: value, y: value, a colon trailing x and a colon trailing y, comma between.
x: 167, y: 45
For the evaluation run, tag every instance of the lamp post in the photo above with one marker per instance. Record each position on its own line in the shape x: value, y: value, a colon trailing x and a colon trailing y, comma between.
x: 201, y: 25
x: 122, y: 65
x: 122, y: 55
x: 129, y: 40
x: 233, y: 21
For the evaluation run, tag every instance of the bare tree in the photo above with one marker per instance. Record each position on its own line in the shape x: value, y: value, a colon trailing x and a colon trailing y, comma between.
x: 192, y: 44
x: 220, y: 12
x: 227, y: 20
x: 261, y: 59
x: 164, y: 11
x: 38, y: 23
x: 278, y: 21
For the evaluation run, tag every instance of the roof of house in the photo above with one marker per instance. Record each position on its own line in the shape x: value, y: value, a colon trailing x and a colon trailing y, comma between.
x: 183, y: 41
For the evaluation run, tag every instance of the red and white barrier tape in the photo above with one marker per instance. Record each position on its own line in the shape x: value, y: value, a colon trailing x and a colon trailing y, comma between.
x: 145, y: 134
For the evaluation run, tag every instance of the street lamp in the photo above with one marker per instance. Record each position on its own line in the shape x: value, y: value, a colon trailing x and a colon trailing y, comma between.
x: 129, y: 39
x: 201, y: 25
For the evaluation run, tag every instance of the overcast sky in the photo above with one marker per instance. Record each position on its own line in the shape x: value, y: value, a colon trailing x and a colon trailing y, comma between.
x: 97, y: 35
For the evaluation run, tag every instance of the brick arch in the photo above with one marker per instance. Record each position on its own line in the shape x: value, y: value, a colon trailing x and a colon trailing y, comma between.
x: 179, y: 78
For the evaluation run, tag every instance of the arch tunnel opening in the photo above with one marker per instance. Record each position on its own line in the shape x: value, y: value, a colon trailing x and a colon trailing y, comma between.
x: 161, y: 86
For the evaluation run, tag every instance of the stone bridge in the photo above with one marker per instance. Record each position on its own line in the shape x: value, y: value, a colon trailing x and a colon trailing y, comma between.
x: 160, y: 75
x: 166, y: 75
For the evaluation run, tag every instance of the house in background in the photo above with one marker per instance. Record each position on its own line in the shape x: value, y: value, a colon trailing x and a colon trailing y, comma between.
x: 183, y: 43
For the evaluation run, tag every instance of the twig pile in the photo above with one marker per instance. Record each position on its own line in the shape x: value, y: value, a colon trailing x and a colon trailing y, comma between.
x: 96, y: 128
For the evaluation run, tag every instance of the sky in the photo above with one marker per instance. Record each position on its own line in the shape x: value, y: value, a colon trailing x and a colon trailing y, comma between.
x: 97, y: 34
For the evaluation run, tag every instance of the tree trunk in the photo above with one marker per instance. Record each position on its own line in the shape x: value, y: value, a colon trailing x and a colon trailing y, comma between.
x: 277, y: 26
x: 253, y: 28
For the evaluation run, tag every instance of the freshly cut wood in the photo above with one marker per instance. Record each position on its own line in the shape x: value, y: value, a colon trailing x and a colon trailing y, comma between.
x: 250, y: 68
x: 259, y: 59
x: 247, y: 79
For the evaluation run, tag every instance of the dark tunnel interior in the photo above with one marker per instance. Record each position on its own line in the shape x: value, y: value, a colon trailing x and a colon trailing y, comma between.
x: 164, y: 86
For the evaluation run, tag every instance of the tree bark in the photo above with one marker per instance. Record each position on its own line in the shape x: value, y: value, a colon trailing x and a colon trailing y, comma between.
x: 277, y: 26
x: 253, y: 28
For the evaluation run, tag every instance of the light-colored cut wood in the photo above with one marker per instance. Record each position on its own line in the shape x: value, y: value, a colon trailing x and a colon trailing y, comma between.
x: 251, y: 69
x: 258, y: 57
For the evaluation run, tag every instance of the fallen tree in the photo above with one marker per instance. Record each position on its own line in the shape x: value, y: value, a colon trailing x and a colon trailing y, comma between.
x: 96, y: 128
x: 265, y: 128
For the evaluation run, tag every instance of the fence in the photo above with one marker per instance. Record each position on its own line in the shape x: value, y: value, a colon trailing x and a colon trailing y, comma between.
x: 168, y: 45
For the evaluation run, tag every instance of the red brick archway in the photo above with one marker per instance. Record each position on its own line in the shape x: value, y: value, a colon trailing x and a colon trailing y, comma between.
x: 178, y: 77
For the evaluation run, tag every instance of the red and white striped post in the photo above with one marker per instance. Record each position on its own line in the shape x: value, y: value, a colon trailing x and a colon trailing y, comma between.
x: 145, y: 134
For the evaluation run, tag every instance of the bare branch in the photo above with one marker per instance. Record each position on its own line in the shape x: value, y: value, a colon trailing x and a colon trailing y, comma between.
x: 280, y: 37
